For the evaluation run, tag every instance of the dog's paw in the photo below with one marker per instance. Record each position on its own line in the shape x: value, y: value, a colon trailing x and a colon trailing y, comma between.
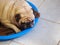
x: 18, y: 30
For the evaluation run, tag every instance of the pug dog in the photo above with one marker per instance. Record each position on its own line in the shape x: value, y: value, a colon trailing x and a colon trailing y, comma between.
x: 16, y: 14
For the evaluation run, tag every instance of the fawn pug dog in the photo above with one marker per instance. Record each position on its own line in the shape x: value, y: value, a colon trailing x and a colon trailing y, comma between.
x: 16, y: 13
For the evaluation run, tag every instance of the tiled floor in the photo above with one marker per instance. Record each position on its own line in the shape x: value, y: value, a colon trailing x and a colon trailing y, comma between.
x: 47, y: 31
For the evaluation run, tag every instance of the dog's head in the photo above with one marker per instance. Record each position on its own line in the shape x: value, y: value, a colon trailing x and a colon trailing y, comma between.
x: 24, y: 15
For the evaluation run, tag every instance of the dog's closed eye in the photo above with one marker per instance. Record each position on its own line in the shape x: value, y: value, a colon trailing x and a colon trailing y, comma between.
x: 17, y: 17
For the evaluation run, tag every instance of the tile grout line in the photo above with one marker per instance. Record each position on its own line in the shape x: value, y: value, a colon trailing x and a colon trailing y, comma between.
x: 9, y: 42
x: 44, y: 18
x: 58, y: 42
x: 41, y: 3
x: 49, y: 20
x: 17, y: 42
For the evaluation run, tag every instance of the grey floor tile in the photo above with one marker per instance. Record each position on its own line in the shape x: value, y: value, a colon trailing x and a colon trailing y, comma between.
x: 50, y: 10
x: 15, y: 43
x: 5, y: 42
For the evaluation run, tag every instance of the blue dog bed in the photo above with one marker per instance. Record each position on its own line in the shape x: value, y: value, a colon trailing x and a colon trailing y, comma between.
x: 12, y: 36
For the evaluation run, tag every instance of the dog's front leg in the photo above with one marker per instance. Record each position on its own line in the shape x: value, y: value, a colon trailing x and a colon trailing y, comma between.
x: 12, y: 26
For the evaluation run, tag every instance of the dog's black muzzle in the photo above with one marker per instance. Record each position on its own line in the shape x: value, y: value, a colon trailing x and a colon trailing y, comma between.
x: 26, y: 25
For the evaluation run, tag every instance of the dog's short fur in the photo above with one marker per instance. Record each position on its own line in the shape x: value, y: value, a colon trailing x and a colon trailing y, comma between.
x: 16, y: 13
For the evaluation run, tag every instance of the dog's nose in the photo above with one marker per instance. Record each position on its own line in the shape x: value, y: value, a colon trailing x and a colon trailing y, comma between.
x: 30, y: 24
x: 26, y: 25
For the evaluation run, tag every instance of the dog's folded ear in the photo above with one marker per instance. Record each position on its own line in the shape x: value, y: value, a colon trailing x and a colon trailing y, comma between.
x: 36, y: 13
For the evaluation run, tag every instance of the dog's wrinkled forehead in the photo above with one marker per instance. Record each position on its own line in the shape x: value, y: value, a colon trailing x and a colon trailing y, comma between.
x: 24, y: 10
x: 22, y: 7
x: 22, y: 3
